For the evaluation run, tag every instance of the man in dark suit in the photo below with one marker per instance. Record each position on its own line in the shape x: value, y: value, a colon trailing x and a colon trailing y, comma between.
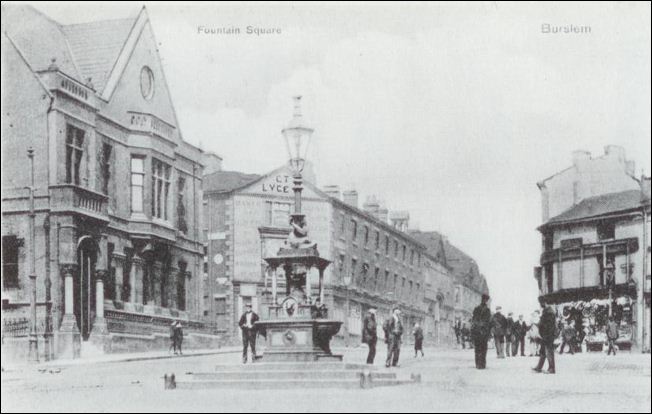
x: 370, y: 335
x: 523, y: 328
x: 498, y: 323
x: 481, y: 331
x: 548, y: 333
x: 393, y: 328
x: 509, y: 334
x: 247, y: 325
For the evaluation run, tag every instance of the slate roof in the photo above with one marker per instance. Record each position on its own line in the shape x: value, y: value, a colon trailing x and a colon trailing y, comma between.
x: 80, y: 50
x: 96, y: 46
x: 601, y: 205
x: 463, y: 267
x: 225, y: 181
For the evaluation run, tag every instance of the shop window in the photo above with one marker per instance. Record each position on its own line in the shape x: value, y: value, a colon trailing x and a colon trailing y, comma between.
x: 74, y: 153
x: 10, y: 249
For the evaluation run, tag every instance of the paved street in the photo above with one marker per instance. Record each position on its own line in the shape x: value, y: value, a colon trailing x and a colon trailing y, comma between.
x: 591, y: 382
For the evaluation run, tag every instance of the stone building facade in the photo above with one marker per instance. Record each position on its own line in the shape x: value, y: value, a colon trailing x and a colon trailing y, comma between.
x: 247, y: 219
x: 595, y: 257
x: 118, y: 195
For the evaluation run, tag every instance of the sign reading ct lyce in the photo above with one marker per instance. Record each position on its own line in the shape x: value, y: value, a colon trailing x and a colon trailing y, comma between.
x: 279, y: 184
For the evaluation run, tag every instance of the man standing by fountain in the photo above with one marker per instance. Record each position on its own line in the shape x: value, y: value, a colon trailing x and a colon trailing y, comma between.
x: 393, y: 331
x: 247, y: 321
x: 369, y: 334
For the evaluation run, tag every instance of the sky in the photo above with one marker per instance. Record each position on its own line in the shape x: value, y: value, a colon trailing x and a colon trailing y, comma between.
x: 450, y: 111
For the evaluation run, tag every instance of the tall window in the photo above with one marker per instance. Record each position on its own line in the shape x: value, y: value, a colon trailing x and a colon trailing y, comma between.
x: 395, y: 249
x: 137, y: 182
x: 160, y: 189
x: 376, y: 281
x: 182, y: 225
x: 354, y: 230
x: 277, y: 214
x: 386, y: 245
x: 377, y: 242
x: 366, y: 235
x: 10, y: 248
x: 74, y: 153
x: 105, y: 167
x: 404, y: 255
x: 354, y: 264
x: 181, y: 286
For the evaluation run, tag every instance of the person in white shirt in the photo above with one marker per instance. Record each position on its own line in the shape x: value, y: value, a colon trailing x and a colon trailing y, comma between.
x: 248, y: 326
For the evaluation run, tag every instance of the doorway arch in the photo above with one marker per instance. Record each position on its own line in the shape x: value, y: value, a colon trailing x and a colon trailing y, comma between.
x: 84, y: 286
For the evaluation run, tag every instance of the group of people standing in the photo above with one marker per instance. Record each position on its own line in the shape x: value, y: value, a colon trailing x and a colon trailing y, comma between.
x: 509, y: 335
x: 393, y: 331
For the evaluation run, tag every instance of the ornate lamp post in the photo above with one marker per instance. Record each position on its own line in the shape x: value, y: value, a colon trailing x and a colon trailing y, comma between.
x: 297, y: 141
x: 297, y: 329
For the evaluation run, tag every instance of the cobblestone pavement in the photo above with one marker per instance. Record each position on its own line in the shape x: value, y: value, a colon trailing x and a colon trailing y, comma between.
x: 584, y: 382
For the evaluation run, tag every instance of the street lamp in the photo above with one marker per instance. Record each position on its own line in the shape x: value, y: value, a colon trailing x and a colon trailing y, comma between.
x: 610, y: 280
x: 33, y: 338
x: 297, y: 141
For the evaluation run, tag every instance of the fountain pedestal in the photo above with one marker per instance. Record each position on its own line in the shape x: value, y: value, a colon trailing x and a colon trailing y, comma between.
x: 298, y: 329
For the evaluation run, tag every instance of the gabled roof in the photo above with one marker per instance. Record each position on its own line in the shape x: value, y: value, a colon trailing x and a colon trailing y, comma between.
x: 226, y: 181
x: 601, y: 205
x: 96, y: 46
x: 434, y: 243
x: 81, y: 51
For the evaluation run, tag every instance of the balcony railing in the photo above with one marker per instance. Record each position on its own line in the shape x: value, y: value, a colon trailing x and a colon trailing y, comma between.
x: 57, y: 81
x: 80, y: 200
x: 616, y: 247
x: 149, y: 123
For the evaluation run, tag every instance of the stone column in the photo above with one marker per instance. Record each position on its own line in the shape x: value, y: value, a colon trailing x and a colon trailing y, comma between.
x: 99, y: 325
x: 155, y: 284
x: 69, y: 338
x: 136, y: 279
x: 118, y: 265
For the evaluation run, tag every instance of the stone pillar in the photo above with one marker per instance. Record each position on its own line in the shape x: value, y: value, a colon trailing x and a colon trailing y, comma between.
x: 99, y: 325
x: 155, y: 284
x: 68, y: 338
x: 136, y: 280
x: 118, y: 265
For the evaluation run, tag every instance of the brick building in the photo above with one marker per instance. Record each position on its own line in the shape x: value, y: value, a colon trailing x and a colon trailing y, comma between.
x: 247, y: 219
x: 596, y: 245
x: 118, y: 190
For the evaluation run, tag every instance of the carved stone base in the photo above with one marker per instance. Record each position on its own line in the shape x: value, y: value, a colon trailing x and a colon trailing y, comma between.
x: 294, y: 340
x: 69, y: 339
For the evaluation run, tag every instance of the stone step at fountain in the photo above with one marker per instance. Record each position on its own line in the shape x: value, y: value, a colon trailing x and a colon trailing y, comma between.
x: 290, y: 375
x: 269, y: 374
x: 294, y: 366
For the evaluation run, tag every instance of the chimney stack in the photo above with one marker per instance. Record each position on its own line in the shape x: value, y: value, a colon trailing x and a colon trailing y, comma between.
x: 371, y: 206
x: 350, y: 197
x: 580, y: 156
x: 333, y: 191
x: 383, y: 213
x: 212, y: 162
x: 400, y: 220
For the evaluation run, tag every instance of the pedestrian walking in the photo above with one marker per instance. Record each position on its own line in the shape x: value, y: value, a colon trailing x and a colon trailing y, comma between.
x: 248, y: 327
x: 612, y: 335
x: 466, y: 336
x: 498, y: 323
x: 481, y: 331
x: 418, y: 340
x: 568, y: 338
x: 178, y: 337
x: 370, y: 335
x: 173, y: 341
x: 509, y: 334
x: 393, y: 332
x: 548, y: 333
x: 458, y: 330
